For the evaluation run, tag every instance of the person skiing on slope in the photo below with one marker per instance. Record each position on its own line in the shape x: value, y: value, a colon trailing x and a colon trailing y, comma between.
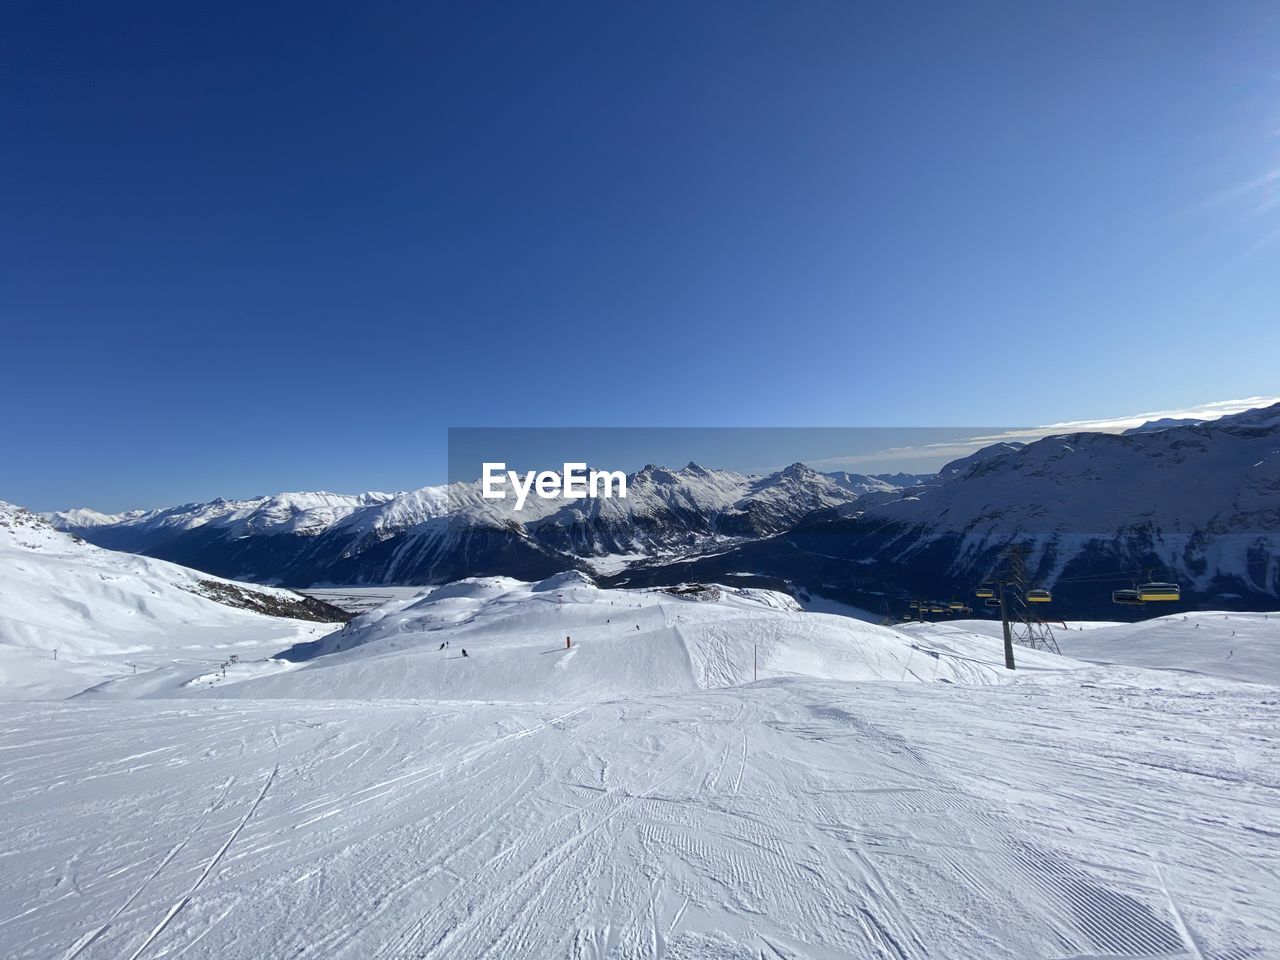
x: 442, y: 645
x: 464, y: 651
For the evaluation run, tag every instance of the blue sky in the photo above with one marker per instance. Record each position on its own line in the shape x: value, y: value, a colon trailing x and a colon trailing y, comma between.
x: 259, y: 247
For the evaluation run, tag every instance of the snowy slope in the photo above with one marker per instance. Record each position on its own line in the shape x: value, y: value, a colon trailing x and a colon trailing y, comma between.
x: 789, y: 818
x: 1233, y: 646
x: 101, y: 609
x: 625, y: 643
x: 878, y: 793
x: 861, y: 483
x: 1239, y: 646
x: 1164, y: 423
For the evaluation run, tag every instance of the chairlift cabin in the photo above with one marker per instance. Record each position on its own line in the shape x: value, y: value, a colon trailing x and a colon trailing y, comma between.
x: 937, y: 609
x: 1129, y: 598
x: 992, y: 602
x: 985, y: 593
x: 1159, y: 591
x: 1038, y: 596
x: 955, y: 606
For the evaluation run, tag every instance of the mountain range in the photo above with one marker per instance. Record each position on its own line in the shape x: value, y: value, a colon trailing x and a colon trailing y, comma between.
x: 441, y: 533
x: 1194, y: 502
x: 1197, y: 504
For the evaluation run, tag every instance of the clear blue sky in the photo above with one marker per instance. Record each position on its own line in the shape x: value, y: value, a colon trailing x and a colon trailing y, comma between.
x: 250, y: 247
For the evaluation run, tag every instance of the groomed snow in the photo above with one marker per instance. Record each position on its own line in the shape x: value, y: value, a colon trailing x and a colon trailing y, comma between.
x: 878, y: 793
x: 792, y: 818
x: 624, y: 644
x: 1234, y: 645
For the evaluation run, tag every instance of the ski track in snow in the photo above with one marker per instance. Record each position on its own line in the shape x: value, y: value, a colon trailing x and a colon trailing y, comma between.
x: 790, y: 818
x: 173, y: 911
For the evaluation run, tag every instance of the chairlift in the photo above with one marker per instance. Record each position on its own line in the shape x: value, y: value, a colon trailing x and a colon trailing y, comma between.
x: 992, y: 602
x: 1159, y: 591
x: 955, y: 606
x: 1128, y: 598
x: 1038, y: 596
x: 985, y: 592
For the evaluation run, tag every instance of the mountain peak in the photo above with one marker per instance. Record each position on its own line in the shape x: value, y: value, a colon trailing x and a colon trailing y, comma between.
x: 798, y: 469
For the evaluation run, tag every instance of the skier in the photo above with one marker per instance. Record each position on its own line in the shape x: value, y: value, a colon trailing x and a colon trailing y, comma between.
x: 442, y: 645
x: 568, y: 642
x: 464, y: 651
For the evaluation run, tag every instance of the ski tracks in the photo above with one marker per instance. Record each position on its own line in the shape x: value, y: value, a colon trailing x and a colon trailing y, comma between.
x: 508, y: 897
x: 84, y: 942
x: 213, y: 862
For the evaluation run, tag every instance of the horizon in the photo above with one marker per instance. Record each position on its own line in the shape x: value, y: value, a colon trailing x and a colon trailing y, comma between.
x: 923, y: 458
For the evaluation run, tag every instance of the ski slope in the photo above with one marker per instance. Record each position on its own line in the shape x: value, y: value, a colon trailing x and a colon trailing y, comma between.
x: 1232, y: 645
x: 791, y: 818
x: 877, y: 793
x: 73, y: 615
x: 624, y: 644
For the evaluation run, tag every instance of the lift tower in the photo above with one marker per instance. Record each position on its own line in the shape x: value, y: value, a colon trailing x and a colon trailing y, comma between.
x: 1019, y: 624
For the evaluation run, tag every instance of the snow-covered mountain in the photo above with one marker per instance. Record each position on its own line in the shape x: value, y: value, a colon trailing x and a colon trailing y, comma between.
x: 862, y: 483
x: 304, y: 514
x: 437, y: 534
x: 92, y: 605
x: 1164, y: 423
x: 957, y: 467
x: 1198, y: 504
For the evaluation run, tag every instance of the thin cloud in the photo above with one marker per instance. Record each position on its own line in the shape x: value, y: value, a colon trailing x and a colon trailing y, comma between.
x: 953, y: 449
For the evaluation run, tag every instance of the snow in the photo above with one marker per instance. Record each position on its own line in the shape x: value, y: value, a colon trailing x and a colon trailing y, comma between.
x: 625, y: 644
x: 808, y: 818
x: 611, y: 563
x: 108, y: 614
x: 816, y: 603
x: 1239, y: 646
x: 878, y: 793
x: 1235, y: 646
x: 360, y: 599
x: 307, y: 513
x: 86, y: 517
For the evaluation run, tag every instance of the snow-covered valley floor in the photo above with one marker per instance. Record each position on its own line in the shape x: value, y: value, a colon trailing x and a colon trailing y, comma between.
x: 878, y: 793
